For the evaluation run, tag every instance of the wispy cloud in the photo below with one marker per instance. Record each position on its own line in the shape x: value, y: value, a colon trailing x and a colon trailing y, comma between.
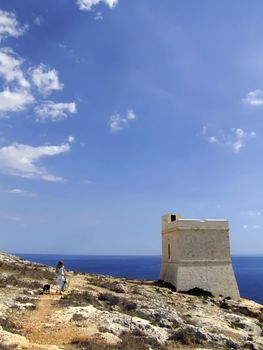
x: 254, y: 98
x: 23, y: 160
x: 16, y: 94
x: 9, y: 26
x: 98, y: 16
x: 10, y: 68
x: 254, y: 213
x: 72, y: 54
x: 235, y: 139
x: 118, y: 122
x: 46, y: 79
x: 87, y: 5
x: 252, y: 227
x: 38, y: 20
x: 20, y: 192
x: 54, y: 111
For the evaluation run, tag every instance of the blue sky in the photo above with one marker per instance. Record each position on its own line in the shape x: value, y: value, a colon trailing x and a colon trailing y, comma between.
x: 115, y: 112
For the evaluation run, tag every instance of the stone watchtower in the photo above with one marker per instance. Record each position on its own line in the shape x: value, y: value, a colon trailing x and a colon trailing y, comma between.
x: 196, y: 253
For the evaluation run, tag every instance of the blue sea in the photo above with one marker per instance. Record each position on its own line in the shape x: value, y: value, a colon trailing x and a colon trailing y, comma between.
x: 248, y: 269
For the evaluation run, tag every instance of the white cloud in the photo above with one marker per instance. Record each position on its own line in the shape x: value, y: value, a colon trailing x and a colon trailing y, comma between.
x: 54, y: 111
x: 46, y: 79
x: 87, y: 5
x: 38, y: 21
x: 16, y: 191
x: 9, y: 25
x: 16, y: 95
x: 130, y: 115
x: 254, y: 98
x: 236, y: 138
x: 19, y: 192
x: 118, y: 122
x: 254, y: 213
x: 253, y: 227
x: 212, y: 139
x: 23, y: 160
x: 98, y: 16
x: 20, y: 159
x: 13, y: 101
x: 10, y: 68
x: 71, y: 139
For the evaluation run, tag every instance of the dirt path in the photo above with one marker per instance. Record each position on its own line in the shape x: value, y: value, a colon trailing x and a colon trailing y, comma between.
x: 41, y: 328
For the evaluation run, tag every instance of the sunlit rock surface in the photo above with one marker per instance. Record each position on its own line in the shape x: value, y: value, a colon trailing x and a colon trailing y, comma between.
x: 102, y: 312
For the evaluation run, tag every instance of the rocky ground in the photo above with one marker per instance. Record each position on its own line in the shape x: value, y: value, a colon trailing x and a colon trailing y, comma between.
x: 105, y: 313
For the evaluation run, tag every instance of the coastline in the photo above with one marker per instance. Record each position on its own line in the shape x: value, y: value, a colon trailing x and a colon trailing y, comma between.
x: 248, y: 269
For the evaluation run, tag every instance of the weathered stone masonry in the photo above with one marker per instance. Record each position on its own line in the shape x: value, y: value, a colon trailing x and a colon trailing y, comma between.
x: 196, y: 253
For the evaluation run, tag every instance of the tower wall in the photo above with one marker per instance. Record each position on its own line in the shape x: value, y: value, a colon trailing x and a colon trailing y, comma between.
x: 196, y: 253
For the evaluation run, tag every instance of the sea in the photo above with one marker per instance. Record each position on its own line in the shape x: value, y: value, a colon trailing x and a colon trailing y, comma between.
x: 248, y: 269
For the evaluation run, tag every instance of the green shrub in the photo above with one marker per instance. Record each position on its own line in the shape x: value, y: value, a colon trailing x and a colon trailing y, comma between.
x: 224, y: 305
x: 199, y: 292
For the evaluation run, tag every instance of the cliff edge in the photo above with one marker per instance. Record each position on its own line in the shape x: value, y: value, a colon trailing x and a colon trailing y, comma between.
x: 106, y: 313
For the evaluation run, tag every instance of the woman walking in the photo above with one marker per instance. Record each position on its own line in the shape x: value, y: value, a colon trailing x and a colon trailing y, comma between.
x: 60, y: 277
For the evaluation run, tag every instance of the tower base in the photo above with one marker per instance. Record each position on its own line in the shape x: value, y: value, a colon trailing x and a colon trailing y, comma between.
x: 216, y: 277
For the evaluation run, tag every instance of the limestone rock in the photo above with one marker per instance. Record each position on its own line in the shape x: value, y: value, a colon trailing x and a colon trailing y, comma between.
x: 103, y: 309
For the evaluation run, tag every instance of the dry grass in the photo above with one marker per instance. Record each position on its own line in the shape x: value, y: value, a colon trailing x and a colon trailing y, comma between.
x: 29, y: 271
x: 128, y: 342
x: 187, y: 337
x: 176, y: 346
x: 9, y: 326
x: 123, y: 303
x: 29, y: 276
x: 20, y: 281
x: 7, y: 347
x: 107, y: 300
x: 75, y: 298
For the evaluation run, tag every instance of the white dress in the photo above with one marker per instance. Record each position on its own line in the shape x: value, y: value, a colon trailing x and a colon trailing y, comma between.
x: 60, y: 278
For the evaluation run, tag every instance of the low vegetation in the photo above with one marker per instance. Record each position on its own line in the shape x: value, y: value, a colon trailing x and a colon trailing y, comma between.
x: 75, y: 298
x: 199, y: 292
x: 32, y: 271
x: 8, y: 325
x: 128, y: 342
x: 18, y: 280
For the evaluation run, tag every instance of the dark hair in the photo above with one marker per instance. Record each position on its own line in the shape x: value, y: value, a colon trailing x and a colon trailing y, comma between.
x: 60, y: 264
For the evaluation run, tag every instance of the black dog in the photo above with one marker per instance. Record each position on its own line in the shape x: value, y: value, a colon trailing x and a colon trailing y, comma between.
x: 46, y: 288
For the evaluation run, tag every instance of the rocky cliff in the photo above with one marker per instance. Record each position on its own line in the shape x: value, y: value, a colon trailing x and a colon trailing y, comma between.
x: 106, y: 313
